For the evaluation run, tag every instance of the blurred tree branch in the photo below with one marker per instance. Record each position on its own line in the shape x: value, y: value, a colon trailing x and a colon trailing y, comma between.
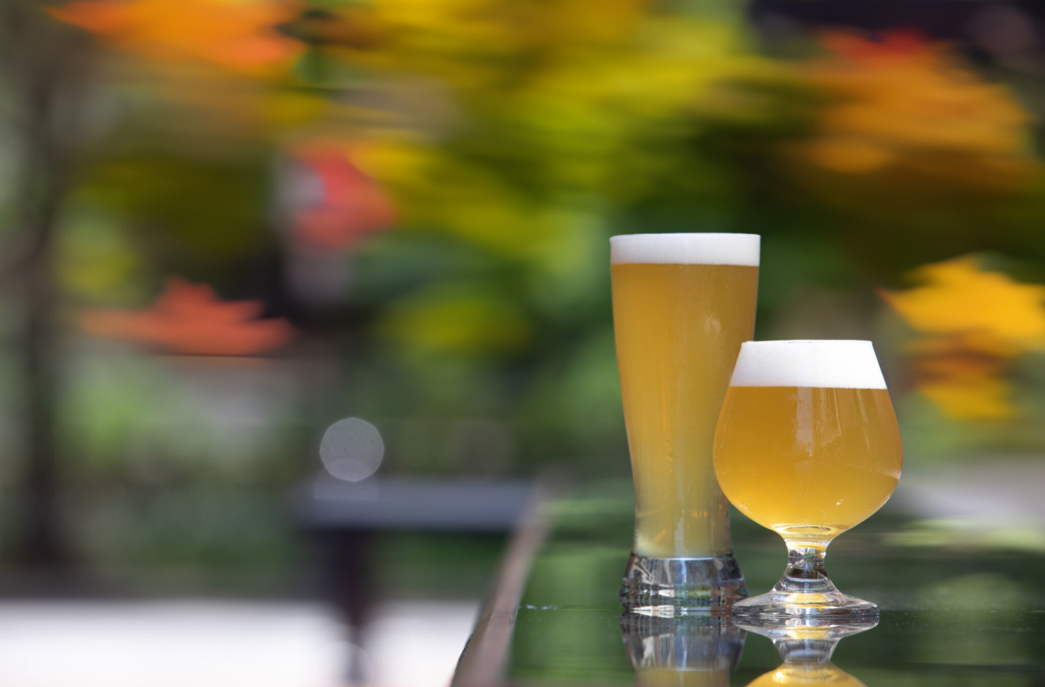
x: 42, y: 66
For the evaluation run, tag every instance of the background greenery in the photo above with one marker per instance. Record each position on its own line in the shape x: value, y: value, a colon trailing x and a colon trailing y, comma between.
x: 399, y: 210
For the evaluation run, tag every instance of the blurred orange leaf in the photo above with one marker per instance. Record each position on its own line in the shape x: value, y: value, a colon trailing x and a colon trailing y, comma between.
x: 189, y: 318
x: 904, y: 100
x: 233, y: 34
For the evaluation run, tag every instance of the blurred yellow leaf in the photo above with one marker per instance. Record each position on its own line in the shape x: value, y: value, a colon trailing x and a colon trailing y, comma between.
x: 456, y: 322
x: 980, y: 398
x: 964, y: 376
x: 976, y: 323
x: 959, y: 297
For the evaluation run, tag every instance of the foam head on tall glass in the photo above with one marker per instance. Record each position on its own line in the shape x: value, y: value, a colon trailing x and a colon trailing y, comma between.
x: 807, y: 445
x: 682, y: 305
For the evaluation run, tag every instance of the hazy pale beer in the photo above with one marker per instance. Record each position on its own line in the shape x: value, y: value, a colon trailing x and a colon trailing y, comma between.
x: 808, y: 449
x: 799, y: 456
x: 682, y: 305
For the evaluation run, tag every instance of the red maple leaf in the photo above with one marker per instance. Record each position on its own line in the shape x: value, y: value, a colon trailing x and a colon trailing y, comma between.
x: 891, y: 45
x: 189, y: 318
x: 350, y: 204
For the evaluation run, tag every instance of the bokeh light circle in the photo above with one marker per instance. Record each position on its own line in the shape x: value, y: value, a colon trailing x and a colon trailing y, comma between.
x: 351, y: 449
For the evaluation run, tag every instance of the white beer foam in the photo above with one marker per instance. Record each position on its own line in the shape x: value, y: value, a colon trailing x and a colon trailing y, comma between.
x: 832, y: 364
x: 685, y: 249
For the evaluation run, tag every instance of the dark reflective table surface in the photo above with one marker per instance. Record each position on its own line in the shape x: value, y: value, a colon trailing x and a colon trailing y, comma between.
x: 953, y: 612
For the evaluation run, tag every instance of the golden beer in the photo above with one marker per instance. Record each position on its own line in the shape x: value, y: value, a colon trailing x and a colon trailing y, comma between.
x: 679, y: 325
x: 807, y: 674
x: 808, y: 462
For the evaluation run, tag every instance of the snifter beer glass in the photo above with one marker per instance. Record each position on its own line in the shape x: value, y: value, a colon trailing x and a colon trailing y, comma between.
x: 807, y: 445
x: 682, y: 305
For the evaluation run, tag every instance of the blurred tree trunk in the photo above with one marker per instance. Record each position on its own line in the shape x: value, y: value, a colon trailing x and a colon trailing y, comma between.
x: 42, y: 65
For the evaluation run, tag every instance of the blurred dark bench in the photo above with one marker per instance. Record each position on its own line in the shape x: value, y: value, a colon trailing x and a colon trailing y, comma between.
x: 403, y: 504
x: 344, y: 519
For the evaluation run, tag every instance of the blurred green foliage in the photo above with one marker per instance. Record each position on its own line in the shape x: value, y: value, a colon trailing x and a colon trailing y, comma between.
x: 513, y: 137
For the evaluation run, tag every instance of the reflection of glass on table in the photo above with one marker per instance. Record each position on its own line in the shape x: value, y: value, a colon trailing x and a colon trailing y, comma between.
x: 688, y: 651
x: 808, y: 446
x: 806, y: 646
x: 682, y: 305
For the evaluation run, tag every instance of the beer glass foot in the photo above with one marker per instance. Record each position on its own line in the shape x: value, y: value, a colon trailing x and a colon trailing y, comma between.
x: 777, y: 606
x: 805, y: 592
x: 681, y: 586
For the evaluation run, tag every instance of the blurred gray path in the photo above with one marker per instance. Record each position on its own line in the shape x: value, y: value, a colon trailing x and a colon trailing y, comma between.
x: 999, y: 492
x: 193, y: 643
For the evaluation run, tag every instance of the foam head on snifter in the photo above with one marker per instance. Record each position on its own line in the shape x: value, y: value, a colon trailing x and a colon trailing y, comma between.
x: 818, y: 363
x: 685, y: 249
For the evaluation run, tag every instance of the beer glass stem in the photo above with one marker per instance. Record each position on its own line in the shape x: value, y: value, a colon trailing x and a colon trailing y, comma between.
x: 805, y: 591
x: 816, y: 652
x: 805, y: 571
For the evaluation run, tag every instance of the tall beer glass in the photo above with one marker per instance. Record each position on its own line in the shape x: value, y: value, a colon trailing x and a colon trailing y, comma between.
x: 807, y: 445
x: 682, y: 305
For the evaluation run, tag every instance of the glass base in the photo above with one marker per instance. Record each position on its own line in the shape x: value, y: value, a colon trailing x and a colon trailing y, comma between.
x: 680, y: 586
x: 806, y: 593
x: 828, y: 606
x: 809, y: 640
